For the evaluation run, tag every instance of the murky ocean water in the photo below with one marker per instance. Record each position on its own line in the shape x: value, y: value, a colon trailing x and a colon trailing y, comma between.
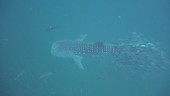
x: 138, y: 31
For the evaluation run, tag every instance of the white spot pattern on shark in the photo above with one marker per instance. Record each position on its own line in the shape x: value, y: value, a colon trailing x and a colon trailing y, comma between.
x: 77, y: 48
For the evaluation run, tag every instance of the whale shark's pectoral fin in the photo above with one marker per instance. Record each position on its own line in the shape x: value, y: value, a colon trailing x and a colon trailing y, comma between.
x: 77, y: 60
x: 81, y: 38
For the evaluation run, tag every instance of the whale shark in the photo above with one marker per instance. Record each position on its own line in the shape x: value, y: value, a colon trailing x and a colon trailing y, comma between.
x: 135, y: 52
x: 76, y: 49
x: 135, y: 55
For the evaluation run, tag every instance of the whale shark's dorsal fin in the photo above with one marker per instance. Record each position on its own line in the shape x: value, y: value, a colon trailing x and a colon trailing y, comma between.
x: 82, y: 37
x: 77, y: 60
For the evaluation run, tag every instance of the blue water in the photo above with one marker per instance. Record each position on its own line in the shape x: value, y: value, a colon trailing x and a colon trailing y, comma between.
x: 28, y: 29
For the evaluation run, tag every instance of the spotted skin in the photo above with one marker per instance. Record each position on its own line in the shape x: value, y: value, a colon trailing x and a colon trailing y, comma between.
x: 80, y: 48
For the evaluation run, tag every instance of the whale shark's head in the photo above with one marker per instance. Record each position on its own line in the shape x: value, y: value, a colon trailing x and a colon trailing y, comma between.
x: 61, y: 49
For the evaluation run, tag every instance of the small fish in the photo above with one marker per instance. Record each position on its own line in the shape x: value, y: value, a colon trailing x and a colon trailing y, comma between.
x: 45, y: 75
x: 51, y: 28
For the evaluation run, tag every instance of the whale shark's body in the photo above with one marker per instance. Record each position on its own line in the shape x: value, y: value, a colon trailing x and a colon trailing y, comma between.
x: 136, y: 55
x: 77, y: 48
